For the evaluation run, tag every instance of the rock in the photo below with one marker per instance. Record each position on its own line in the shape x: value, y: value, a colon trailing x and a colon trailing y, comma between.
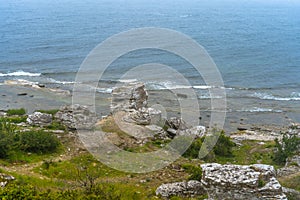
x: 158, y: 132
x: 129, y: 96
x: 288, y: 170
x: 39, y: 119
x: 22, y: 94
x: 4, y: 179
x: 176, y: 123
x: 291, y: 193
x: 171, y: 132
x: 295, y: 160
x: 76, y: 117
x: 242, y: 128
x: 144, y: 116
x: 196, y: 132
x: 256, y: 135
x: 237, y: 182
x: 183, y: 189
x: 2, y: 113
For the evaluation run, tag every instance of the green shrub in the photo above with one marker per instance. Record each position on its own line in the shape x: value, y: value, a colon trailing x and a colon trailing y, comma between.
x: 194, y: 171
x: 20, y: 111
x: 7, y: 134
x: 38, y: 142
x: 193, y: 150
x: 222, y: 147
x: 288, y: 147
x: 17, y: 119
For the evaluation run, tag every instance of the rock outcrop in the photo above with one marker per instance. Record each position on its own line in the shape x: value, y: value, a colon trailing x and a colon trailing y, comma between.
x: 76, y: 117
x: 182, y: 189
x: 39, y: 119
x: 237, y: 182
x: 129, y: 96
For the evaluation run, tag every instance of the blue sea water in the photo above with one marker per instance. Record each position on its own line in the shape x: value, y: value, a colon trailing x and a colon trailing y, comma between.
x: 255, y: 43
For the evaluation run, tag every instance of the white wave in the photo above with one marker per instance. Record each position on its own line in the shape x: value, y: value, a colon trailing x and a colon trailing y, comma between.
x: 20, y: 73
x: 127, y: 80
x: 256, y: 109
x: 202, y: 87
x: 266, y: 96
x: 60, y: 82
x: 105, y: 90
x: 185, y: 16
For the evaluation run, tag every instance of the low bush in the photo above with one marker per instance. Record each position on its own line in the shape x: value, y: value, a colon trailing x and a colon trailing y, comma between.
x: 7, y: 134
x: 286, y: 148
x: 20, y: 111
x: 38, y: 142
x: 194, y: 171
x: 222, y: 147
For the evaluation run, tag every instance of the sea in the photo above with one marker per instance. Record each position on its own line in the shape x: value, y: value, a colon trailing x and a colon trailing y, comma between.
x: 255, y: 45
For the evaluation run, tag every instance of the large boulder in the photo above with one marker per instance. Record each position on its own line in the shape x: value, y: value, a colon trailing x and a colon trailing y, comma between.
x: 129, y: 96
x: 76, y: 117
x: 237, y: 182
x: 183, y: 189
x: 39, y: 119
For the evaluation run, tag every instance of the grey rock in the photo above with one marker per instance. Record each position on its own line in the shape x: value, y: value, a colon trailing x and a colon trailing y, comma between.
x: 76, y: 117
x: 235, y: 182
x: 144, y: 116
x: 195, y: 132
x: 291, y: 193
x: 39, y: 119
x: 129, y: 96
x: 183, y: 189
x: 4, y: 179
x: 176, y: 123
x: 171, y: 132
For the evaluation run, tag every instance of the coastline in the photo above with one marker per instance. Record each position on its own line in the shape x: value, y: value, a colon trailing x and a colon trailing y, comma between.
x: 33, y: 97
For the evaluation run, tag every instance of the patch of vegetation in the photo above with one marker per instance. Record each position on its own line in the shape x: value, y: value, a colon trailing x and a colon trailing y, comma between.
x: 291, y: 182
x: 101, y: 191
x: 16, y: 119
x: 7, y: 134
x: 223, y: 147
x: 288, y: 148
x: 55, y: 125
x: 38, y: 142
x: 194, y: 171
x: 20, y: 111
x: 75, y: 168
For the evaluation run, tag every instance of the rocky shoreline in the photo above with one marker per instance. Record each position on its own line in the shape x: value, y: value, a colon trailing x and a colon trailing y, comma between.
x: 227, y: 181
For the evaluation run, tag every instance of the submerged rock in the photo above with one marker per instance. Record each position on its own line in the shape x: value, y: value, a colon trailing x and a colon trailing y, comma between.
x: 39, y: 119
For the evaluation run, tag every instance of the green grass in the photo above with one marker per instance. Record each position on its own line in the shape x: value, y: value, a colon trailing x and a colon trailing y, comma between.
x: 291, y: 182
x: 20, y: 111
x: 68, y: 170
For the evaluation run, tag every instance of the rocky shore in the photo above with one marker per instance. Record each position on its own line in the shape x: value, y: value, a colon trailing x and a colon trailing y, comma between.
x: 131, y: 114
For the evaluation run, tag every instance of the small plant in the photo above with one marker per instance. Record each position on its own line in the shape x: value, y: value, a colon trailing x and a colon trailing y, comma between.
x: 194, y: 171
x: 20, y: 111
